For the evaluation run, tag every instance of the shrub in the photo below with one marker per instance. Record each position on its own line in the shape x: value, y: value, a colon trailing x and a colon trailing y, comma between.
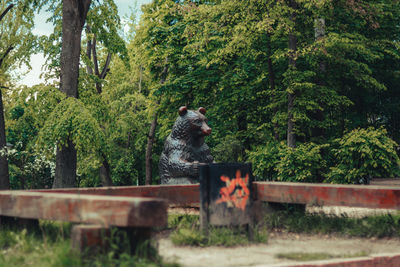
x: 229, y: 149
x: 264, y: 160
x: 302, y: 164
x: 362, y: 154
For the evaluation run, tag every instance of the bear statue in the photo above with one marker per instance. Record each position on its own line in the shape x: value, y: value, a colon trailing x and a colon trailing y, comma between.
x: 185, y: 150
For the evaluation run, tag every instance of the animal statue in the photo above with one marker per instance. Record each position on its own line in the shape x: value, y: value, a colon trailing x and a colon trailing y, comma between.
x: 185, y: 150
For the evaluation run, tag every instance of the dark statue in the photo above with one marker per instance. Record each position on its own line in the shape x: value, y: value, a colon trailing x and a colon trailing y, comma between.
x: 185, y: 150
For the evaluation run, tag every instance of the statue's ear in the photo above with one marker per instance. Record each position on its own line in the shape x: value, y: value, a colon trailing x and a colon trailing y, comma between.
x: 202, y: 110
x: 182, y: 110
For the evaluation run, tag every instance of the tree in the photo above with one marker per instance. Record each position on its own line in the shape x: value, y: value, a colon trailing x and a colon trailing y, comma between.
x: 103, y: 23
x: 292, y: 44
x: 73, y: 19
x: 28, y: 109
x: 16, y: 45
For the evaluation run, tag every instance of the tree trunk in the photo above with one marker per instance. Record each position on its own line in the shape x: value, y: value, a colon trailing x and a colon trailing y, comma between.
x: 318, y: 115
x: 104, y: 170
x: 242, y: 130
x: 73, y: 18
x: 149, y: 150
x: 105, y: 173
x: 152, y: 132
x: 65, y: 176
x: 291, y: 137
x: 4, y: 178
x: 271, y: 76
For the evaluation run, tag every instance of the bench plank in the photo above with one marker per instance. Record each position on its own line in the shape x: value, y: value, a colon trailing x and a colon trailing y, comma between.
x: 174, y: 194
x: 369, y: 196
x: 383, y: 197
x: 102, y: 210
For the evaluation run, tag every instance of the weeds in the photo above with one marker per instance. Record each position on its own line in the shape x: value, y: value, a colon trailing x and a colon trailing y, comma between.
x: 50, y: 246
x: 186, y: 228
x: 187, y: 232
x: 298, y: 222
x: 302, y: 256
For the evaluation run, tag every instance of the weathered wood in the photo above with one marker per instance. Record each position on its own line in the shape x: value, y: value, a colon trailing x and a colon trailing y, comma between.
x: 394, y: 182
x: 102, y: 210
x: 381, y: 197
x: 368, y: 196
x: 226, y: 194
x: 187, y: 195
x: 90, y: 238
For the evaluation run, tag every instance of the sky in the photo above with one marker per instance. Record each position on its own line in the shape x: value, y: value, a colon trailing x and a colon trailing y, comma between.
x: 44, y: 28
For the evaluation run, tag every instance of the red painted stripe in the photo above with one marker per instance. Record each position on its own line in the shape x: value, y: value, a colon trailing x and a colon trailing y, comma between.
x: 327, y: 194
x: 385, y: 197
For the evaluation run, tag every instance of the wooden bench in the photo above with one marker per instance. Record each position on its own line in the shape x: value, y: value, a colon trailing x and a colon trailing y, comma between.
x: 95, y: 214
x: 369, y: 196
x: 145, y: 207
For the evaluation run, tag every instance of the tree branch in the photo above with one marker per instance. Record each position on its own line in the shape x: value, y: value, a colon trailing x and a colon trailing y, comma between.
x: 89, y: 55
x: 83, y: 8
x: 96, y: 64
x: 6, y: 11
x: 105, y: 68
x: 89, y: 50
x: 5, y: 54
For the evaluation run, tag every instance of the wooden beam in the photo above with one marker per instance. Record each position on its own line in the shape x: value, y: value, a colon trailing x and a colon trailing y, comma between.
x: 102, y: 210
x: 386, y: 197
x: 173, y: 194
x: 383, y: 197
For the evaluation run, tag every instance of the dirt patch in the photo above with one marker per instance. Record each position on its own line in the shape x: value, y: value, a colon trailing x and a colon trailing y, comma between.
x: 280, y: 242
x: 265, y: 254
x: 349, y: 211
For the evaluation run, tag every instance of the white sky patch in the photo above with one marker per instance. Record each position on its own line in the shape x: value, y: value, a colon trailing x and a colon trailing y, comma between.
x: 33, y: 76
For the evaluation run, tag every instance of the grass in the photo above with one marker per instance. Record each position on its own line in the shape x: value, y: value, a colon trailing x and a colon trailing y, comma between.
x: 45, y: 247
x: 372, y: 226
x: 186, y: 228
x: 187, y: 232
x: 302, y: 256
x: 50, y: 245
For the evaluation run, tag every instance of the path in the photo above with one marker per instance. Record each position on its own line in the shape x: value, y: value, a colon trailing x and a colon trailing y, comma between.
x: 265, y: 254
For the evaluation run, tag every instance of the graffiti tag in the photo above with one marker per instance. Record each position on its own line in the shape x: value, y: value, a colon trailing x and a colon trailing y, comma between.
x: 236, y: 192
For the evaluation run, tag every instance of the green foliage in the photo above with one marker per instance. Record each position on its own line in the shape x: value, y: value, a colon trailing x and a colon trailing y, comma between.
x: 276, y: 161
x: 70, y: 119
x: 302, y: 164
x: 264, y: 159
x: 362, y: 154
x: 230, y: 57
x: 16, y: 28
x: 29, y: 109
x: 50, y: 246
x: 230, y: 149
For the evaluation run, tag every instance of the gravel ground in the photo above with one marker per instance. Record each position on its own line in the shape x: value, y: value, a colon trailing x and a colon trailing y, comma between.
x: 265, y: 254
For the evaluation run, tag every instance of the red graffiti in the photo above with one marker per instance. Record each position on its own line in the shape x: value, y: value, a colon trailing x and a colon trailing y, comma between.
x: 236, y: 192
